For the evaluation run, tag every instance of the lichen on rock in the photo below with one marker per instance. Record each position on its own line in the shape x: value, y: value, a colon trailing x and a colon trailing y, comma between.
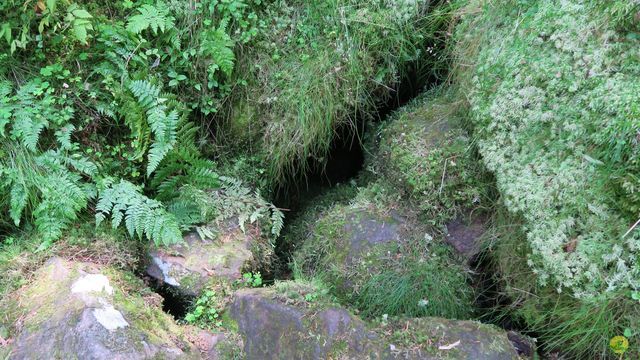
x: 84, y: 310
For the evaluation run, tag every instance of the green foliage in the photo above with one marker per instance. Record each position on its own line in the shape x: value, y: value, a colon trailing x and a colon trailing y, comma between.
x: 154, y: 17
x: 322, y: 66
x: 50, y: 187
x: 205, y: 313
x: 553, y: 102
x: 252, y: 279
x: 232, y: 200
x: 573, y: 327
x: 141, y: 215
x: 162, y: 122
x: 82, y: 99
x: 441, y: 289
x: 80, y: 21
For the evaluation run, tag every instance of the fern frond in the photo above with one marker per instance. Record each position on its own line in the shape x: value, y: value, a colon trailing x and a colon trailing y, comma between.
x: 155, y: 17
x: 218, y: 45
x: 142, y: 216
x: 6, y: 108
x: 163, y: 125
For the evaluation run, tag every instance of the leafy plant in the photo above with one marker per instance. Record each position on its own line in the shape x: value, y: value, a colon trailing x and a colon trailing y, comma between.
x: 141, y: 215
x: 151, y: 17
x: 252, y: 279
x: 205, y: 312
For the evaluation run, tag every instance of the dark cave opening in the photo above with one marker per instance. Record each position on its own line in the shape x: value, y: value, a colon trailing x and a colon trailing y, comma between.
x: 174, y: 303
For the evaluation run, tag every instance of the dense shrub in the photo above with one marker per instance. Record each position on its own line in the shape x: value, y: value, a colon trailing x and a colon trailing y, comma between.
x: 322, y: 66
x: 100, y: 105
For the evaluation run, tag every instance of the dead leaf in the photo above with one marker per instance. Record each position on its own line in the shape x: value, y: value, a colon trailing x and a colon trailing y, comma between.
x: 40, y: 7
x: 450, y: 346
x: 571, y: 245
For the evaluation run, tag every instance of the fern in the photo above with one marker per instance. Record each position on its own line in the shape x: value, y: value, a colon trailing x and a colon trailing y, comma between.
x: 232, y: 200
x: 6, y: 108
x: 155, y: 17
x: 142, y: 216
x: 162, y: 124
x: 62, y: 197
x: 217, y: 45
x: 185, y: 165
x: 46, y: 187
x: 29, y: 117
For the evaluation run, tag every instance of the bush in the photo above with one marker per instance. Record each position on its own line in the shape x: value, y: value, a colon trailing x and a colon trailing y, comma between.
x: 105, y: 93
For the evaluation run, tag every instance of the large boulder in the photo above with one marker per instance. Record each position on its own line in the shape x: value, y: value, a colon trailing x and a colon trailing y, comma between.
x: 85, y: 311
x: 189, y: 266
x: 375, y: 255
x: 428, y: 157
x: 297, y: 321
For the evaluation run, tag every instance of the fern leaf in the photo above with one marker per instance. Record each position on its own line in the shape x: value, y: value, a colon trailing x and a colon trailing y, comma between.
x: 155, y: 17
x: 162, y: 125
x: 142, y: 216
x: 18, y: 202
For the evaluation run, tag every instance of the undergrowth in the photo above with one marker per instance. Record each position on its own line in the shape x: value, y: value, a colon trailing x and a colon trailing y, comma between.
x: 319, y: 67
x: 101, y: 109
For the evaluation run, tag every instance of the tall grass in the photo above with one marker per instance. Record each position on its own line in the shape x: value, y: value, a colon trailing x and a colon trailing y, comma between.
x: 324, y: 65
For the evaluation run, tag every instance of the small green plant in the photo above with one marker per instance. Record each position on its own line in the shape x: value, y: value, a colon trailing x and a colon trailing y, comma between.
x: 252, y: 279
x: 205, y: 313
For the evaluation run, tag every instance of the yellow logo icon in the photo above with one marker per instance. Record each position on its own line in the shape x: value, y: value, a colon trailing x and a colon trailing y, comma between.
x: 619, y: 344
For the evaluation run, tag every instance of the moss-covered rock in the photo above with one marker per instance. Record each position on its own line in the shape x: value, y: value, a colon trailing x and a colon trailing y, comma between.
x: 438, y: 338
x: 189, y: 266
x: 426, y: 154
x: 377, y: 256
x: 294, y: 320
x: 315, y: 71
x: 87, y: 311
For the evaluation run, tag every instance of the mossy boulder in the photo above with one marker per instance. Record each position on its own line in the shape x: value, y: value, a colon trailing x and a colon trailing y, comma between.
x: 294, y: 320
x: 426, y: 154
x: 189, y: 266
x: 439, y: 338
x: 375, y: 255
x: 87, y: 311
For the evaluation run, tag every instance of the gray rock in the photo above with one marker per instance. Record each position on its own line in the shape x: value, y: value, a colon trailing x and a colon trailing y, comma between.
x: 465, y: 236
x: 77, y: 310
x: 274, y: 326
x: 293, y: 321
x: 189, y: 266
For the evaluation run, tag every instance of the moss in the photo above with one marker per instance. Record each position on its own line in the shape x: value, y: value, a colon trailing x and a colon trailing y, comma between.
x: 549, y: 86
x: 426, y: 336
x: 129, y: 297
x: 428, y: 156
x: 380, y: 262
x: 320, y: 66
x: 230, y: 348
x: 560, y: 322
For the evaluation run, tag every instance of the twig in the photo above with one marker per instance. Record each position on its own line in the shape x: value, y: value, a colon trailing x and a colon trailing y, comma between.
x: 631, y: 229
x: 444, y: 172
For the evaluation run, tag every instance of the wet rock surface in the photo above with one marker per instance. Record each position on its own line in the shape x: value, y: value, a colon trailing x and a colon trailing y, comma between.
x: 189, y: 266
x: 77, y: 310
